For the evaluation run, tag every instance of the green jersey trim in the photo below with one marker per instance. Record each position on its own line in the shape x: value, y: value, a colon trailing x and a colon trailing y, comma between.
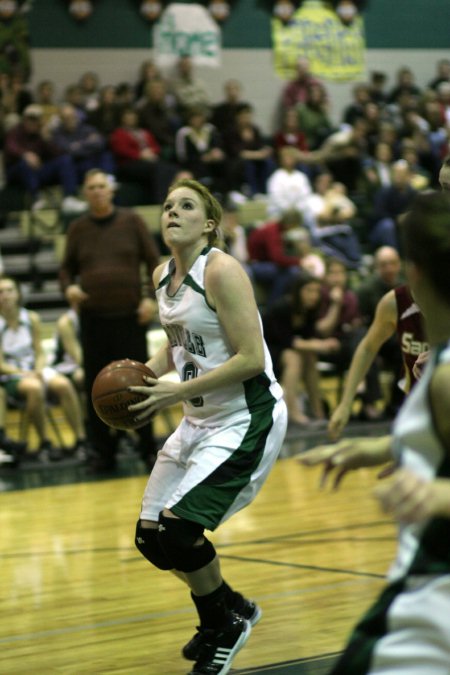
x: 164, y: 281
x: 371, y: 628
x: 189, y: 281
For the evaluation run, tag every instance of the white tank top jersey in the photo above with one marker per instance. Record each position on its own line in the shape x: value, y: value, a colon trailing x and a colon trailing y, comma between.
x: 423, y: 548
x: 17, y: 344
x: 199, y: 344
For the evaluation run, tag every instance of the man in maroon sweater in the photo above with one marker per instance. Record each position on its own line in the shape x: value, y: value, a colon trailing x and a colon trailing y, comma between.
x: 106, y: 250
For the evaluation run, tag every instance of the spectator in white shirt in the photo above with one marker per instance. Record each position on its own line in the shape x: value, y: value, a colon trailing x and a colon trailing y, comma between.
x: 288, y: 187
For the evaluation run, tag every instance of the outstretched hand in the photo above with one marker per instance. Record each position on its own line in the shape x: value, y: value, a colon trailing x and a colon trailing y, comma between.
x: 347, y: 455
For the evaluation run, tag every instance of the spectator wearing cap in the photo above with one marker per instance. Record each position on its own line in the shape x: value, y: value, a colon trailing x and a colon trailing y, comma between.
x: 85, y: 144
x: 33, y: 161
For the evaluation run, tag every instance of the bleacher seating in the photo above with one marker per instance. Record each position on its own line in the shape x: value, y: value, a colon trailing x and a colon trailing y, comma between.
x: 251, y: 213
x: 28, y: 252
x: 32, y: 244
x: 12, y: 198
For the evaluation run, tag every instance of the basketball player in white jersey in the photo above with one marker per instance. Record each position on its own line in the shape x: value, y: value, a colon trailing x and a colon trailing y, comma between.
x: 233, y: 426
x: 407, y: 630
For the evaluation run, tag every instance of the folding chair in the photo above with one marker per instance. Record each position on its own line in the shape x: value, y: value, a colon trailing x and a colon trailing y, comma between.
x: 13, y: 403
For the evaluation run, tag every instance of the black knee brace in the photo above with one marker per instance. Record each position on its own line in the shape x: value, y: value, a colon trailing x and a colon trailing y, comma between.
x: 147, y: 542
x: 177, y: 538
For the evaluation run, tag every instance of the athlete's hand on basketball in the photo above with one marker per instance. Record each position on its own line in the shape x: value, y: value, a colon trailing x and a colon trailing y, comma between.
x: 159, y: 394
x: 347, y: 455
x: 409, y: 498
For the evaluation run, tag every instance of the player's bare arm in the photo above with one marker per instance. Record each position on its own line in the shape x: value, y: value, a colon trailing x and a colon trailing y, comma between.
x: 229, y: 291
x: 410, y: 498
x: 440, y: 403
x: 381, y: 329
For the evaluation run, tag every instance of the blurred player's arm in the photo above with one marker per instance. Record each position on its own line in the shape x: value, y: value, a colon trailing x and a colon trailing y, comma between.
x: 410, y: 498
x: 440, y: 403
x: 69, y: 338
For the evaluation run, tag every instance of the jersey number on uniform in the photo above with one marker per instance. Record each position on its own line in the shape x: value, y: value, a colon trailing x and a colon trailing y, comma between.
x: 190, y: 371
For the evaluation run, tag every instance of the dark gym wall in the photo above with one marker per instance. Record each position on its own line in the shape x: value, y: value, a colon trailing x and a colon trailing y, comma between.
x: 390, y: 24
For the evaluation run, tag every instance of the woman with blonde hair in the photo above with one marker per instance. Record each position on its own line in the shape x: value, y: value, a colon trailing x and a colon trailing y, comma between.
x: 233, y: 426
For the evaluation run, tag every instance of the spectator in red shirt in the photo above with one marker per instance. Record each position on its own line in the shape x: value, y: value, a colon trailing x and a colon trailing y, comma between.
x: 290, y: 133
x: 296, y: 91
x: 136, y: 153
x: 274, y: 261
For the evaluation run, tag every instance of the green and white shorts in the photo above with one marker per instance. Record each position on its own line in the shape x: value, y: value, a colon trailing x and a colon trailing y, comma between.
x: 206, y: 474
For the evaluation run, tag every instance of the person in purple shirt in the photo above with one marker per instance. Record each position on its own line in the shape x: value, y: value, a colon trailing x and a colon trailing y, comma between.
x: 85, y: 144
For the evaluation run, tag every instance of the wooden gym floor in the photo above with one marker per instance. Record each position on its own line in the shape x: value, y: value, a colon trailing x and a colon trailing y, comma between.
x: 77, y: 598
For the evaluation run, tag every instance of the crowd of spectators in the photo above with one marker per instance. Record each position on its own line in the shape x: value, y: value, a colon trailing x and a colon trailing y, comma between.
x: 334, y: 192
x: 164, y: 123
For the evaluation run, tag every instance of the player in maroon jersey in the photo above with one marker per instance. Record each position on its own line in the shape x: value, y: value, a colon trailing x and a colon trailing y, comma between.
x: 396, y: 313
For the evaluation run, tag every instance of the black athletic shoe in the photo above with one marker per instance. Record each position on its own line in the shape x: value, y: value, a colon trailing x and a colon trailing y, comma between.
x: 48, y: 453
x: 8, y: 459
x: 219, y: 647
x: 247, y: 610
x: 14, y: 447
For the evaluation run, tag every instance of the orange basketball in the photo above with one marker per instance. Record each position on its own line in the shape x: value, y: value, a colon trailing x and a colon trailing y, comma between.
x: 110, y: 395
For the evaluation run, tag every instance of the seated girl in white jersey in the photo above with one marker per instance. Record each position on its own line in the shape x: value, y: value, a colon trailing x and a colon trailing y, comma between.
x: 233, y: 426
